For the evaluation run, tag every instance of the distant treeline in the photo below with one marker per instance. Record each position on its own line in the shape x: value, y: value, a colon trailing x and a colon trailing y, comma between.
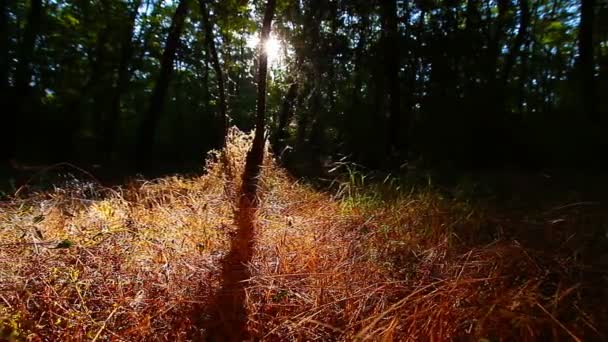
x: 147, y: 82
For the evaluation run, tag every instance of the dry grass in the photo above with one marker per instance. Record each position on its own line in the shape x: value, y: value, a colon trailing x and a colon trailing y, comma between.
x: 142, y: 263
x: 415, y: 267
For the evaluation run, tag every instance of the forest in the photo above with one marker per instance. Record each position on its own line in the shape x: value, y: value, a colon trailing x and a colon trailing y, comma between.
x: 278, y: 170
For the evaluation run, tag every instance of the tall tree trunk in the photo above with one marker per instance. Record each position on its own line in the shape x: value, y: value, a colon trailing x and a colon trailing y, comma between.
x: 147, y: 129
x: 212, y: 52
x: 23, y: 72
x: 7, y: 119
x: 496, y: 33
x: 352, y: 125
x: 145, y: 35
x: 317, y: 113
x: 110, y: 124
x: 514, y: 52
x: 524, y: 77
x: 303, y: 117
x: 332, y: 51
x: 4, y: 44
x: 74, y: 108
x: 398, y: 129
x: 473, y: 41
x: 206, y: 94
x: 586, y: 63
x: 255, y: 156
x: 284, y: 117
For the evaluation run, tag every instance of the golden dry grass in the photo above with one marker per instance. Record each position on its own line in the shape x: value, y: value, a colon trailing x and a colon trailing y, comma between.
x: 142, y: 262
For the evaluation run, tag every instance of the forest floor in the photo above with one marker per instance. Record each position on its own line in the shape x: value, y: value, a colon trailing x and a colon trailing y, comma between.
x: 172, y: 259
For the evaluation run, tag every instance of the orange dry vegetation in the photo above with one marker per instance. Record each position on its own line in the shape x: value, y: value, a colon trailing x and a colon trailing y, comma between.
x: 142, y: 262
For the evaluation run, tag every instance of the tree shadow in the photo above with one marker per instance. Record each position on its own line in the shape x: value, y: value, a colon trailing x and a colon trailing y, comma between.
x: 226, y: 315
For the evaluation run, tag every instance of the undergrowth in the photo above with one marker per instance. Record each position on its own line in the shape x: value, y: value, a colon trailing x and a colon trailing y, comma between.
x: 370, y: 261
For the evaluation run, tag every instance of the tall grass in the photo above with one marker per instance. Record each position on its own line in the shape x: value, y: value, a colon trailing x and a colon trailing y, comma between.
x: 371, y: 261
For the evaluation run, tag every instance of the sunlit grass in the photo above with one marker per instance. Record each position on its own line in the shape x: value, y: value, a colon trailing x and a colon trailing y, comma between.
x: 371, y: 260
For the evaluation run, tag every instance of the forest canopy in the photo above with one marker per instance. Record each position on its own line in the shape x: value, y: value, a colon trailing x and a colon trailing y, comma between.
x: 473, y: 82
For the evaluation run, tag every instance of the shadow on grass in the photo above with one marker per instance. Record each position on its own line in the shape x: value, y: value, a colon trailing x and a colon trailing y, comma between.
x: 226, y: 315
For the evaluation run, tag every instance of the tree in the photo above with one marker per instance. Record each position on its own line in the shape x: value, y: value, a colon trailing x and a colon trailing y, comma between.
x: 97, y: 72
x: 285, y: 116
x: 586, y: 61
x: 32, y: 29
x: 212, y: 52
x: 398, y: 129
x: 255, y: 156
x: 7, y: 118
x: 124, y: 74
x: 522, y: 31
x: 23, y: 72
x: 147, y: 129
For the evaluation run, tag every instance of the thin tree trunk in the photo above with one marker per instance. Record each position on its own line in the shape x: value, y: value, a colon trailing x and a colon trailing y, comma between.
x: 352, y: 124
x: 284, y: 117
x: 523, y: 80
x: 7, y: 119
x: 255, y: 156
x: 206, y: 69
x: 494, y: 44
x: 210, y: 42
x: 23, y: 73
x: 124, y: 75
x: 303, y: 118
x: 239, y: 74
x: 69, y: 146
x: 398, y: 129
x: 4, y: 44
x: 148, y: 127
x: 144, y: 36
x: 511, y: 57
x: 316, y: 112
x: 586, y: 61
x: 524, y: 23
x: 331, y: 86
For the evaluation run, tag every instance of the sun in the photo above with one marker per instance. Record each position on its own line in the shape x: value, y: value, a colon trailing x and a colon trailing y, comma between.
x: 272, y: 46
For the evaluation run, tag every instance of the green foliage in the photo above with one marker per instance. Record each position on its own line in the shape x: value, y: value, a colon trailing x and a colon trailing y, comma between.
x: 452, y: 62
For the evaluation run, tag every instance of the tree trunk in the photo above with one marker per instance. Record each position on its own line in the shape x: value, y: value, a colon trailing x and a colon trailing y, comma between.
x: 212, y: 52
x: 303, y: 118
x: 255, y: 156
x: 206, y: 93
x: 69, y: 146
x: 7, y: 119
x: 352, y: 126
x: 4, y: 45
x: 586, y: 61
x: 397, y: 130
x: 23, y: 73
x: 147, y: 129
x: 524, y: 77
x: 284, y: 117
x: 524, y: 23
x: 145, y: 36
x: 494, y: 43
x: 110, y: 124
x: 317, y: 114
